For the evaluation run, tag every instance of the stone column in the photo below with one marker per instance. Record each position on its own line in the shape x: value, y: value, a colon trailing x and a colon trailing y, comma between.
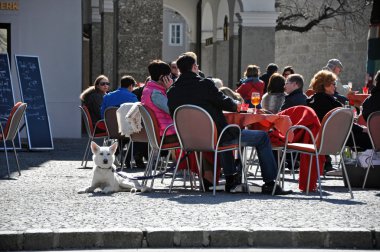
x: 106, y: 12
x: 257, y: 37
x: 95, y: 43
x: 140, y: 36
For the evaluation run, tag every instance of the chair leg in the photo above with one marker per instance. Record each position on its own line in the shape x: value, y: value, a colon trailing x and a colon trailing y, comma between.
x: 279, y: 171
x: 126, y: 154
x: 175, y: 171
x: 200, y: 169
x: 18, y: 166
x: 348, y: 180
x: 319, y: 177
x: 149, y: 166
x: 6, y: 157
x: 85, y: 152
x: 244, y: 171
x: 368, y: 167
x: 308, y: 175
x: 214, y: 178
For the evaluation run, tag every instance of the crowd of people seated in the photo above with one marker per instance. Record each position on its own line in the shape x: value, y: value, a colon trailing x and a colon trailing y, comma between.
x: 180, y: 81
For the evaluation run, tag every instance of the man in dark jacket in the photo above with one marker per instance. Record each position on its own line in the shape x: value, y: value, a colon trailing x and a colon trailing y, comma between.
x: 271, y: 69
x: 190, y: 88
x: 293, y: 89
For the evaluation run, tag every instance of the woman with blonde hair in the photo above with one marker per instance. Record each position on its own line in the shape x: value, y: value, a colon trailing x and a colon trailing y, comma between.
x: 323, y: 83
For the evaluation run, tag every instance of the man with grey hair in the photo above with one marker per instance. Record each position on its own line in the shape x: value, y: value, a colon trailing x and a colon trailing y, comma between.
x: 336, y: 66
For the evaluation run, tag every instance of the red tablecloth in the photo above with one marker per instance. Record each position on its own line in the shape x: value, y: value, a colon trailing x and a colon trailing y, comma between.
x: 265, y: 121
x: 357, y: 99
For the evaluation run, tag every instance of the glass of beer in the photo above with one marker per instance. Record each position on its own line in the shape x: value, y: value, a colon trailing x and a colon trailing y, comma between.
x: 255, y: 99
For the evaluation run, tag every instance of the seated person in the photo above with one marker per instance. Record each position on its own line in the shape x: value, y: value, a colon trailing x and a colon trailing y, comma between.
x: 251, y: 83
x: 372, y: 103
x: 323, y: 83
x: 294, y: 94
x: 274, y: 97
x: 92, y: 98
x: 189, y: 88
x: 114, y: 99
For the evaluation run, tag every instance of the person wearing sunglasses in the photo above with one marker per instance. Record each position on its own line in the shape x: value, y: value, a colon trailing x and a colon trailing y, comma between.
x: 92, y: 98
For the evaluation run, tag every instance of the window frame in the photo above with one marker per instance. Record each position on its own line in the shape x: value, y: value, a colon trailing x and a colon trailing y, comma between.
x: 180, y: 37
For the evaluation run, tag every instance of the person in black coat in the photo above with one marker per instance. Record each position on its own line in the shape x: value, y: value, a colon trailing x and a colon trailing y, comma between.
x: 323, y: 83
x: 372, y: 103
x: 190, y: 88
x: 294, y: 91
x: 271, y: 69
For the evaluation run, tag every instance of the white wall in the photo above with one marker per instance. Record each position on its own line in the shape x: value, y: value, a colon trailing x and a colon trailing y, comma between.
x: 52, y: 30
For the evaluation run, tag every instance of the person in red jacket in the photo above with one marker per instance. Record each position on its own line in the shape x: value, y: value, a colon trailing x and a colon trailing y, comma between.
x: 251, y: 83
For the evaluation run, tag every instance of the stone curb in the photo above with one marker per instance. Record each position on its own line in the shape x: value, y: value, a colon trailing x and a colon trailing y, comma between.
x: 45, y: 239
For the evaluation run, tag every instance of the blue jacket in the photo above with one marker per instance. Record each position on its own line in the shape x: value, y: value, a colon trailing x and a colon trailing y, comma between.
x: 116, y: 98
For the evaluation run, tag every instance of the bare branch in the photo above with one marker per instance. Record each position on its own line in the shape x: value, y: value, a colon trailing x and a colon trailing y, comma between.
x: 303, y: 15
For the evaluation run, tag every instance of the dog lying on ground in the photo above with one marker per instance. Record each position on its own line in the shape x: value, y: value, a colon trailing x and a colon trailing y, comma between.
x: 104, y: 172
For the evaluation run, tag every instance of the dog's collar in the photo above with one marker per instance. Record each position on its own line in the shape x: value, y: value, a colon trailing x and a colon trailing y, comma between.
x: 108, y: 168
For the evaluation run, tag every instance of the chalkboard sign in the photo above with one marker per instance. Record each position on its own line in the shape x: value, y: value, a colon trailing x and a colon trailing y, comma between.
x: 6, y: 94
x: 32, y: 93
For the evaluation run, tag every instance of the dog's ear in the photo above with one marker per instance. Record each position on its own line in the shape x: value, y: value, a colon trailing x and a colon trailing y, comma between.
x: 94, y: 147
x: 113, y: 148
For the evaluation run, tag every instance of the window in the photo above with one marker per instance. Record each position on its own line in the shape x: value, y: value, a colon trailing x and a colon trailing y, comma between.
x: 175, y: 34
x: 5, y: 38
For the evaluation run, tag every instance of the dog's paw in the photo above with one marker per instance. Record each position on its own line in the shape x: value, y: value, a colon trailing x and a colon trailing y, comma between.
x: 86, y: 190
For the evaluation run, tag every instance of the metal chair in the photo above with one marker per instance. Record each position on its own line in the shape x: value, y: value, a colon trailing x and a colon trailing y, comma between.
x: 112, y: 128
x: 156, y: 142
x: 9, y: 132
x: 373, y: 123
x: 91, y: 132
x: 331, y: 139
x: 196, y: 131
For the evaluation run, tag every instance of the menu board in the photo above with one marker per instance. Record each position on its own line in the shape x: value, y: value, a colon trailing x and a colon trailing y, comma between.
x: 6, y: 94
x: 32, y: 93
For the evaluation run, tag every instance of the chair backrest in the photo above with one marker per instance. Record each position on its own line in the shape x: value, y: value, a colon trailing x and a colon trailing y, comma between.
x: 335, y: 130
x: 373, y: 123
x: 87, y: 120
x: 195, y: 128
x: 14, y: 119
x: 150, y: 126
x: 112, y: 126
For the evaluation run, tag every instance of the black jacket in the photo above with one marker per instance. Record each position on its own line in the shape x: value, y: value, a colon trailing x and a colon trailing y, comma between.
x: 372, y: 103
x: 190, y: 88
x: 295, y: 98
x: 322, y: 103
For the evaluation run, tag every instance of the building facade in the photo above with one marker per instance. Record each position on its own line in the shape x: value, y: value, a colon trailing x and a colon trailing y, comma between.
x: 78, y: 40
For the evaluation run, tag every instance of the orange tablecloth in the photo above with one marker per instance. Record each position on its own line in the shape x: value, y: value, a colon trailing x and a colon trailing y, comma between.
x: 266, y: 121
x: 357, y: 99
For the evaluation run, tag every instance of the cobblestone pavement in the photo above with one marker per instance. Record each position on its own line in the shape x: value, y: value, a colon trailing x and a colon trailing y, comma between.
x: 45, y: 197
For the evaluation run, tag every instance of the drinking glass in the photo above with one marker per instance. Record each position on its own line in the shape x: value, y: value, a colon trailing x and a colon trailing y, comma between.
x: 255, y: 99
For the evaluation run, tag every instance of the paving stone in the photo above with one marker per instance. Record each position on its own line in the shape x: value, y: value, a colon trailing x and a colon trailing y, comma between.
x: 38, y: 239
x: 122, y: 238
x: 11, y: 240
x: 350, y: 238
x: 160, y: 237
x: 43, y: 205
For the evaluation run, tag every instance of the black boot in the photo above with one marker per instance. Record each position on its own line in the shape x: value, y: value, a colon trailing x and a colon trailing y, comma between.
x: 232, y: 181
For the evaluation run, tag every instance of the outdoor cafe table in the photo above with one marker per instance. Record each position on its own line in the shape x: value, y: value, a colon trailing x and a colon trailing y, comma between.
x: 357, y: 99
x: 261, y: 121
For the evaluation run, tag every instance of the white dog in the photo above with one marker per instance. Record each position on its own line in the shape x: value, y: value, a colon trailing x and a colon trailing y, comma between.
x: 104, y: 172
